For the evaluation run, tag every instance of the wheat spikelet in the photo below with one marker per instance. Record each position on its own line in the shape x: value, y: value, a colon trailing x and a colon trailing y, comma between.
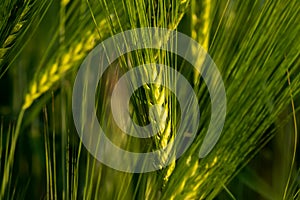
x: 57, y: 69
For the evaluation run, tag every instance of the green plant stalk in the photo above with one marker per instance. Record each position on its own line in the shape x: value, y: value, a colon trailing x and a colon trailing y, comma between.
x: 295, y: 140
x: 9, y: 162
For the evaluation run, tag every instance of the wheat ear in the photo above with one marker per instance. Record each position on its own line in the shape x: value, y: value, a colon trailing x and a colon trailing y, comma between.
x: 16, y: 23
x: 57, y: 69
x: 201, y: 22
x: 12, y: 26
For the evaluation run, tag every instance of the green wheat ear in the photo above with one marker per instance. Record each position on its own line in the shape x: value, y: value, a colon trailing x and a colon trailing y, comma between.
x: 200, y: 22
x: 157, y: 95
x: 16, y: 19
x: 57, y: 70
x: 73, y: 53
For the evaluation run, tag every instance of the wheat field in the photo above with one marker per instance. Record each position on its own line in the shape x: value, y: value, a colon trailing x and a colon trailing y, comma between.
x: 254, y: 44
